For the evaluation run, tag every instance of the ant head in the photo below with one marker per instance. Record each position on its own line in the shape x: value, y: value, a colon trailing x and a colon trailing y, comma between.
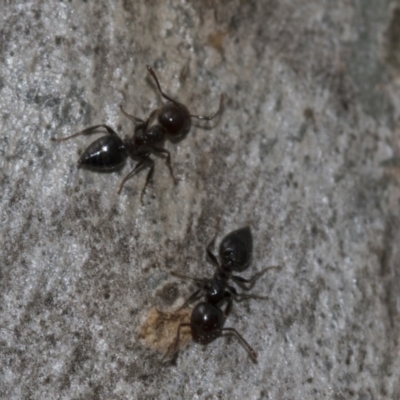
x: 236, y: 248
x: 175, y: 119
x: 206, y: 322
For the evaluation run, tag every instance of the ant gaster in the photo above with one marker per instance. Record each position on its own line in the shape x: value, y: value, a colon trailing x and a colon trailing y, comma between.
x: 207, y: 319
x: 109, y: 153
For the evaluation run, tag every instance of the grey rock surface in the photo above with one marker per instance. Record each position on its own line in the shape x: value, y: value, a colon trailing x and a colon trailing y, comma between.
x: 307, y: 152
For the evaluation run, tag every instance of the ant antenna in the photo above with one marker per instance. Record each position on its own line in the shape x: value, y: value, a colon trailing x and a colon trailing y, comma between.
x: 209, y: 118
x: 203, y: 117
x: 153, y: 74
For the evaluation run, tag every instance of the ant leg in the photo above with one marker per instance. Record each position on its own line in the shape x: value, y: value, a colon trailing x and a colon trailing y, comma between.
x: 249, y: 349
x: 168, y: 162
x: 139, y: 166
x: 131, y: 117
x: 241, y: 281
x: 193, y: 297
x: 239, y: 297
x: 87, y: 131
x: 199, y: 281
x: 229, y: 304
x: 148, y: 178
x: 209, y: 118
x: 153, y: 74
x: 174, y: 346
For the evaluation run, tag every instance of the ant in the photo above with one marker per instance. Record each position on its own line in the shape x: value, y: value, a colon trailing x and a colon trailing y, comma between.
x: 109, y: 153
x: 207, y: 319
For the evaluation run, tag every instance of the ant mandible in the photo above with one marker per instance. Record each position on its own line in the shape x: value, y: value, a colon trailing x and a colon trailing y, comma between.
x: 109, y: 153
x: 235, y: 253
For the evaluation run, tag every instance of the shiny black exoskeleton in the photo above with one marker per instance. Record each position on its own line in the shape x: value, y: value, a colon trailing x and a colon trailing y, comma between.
x: 207, y: 324
x: 207, y: 319
x: 235, y: 253
x: 109, y: 153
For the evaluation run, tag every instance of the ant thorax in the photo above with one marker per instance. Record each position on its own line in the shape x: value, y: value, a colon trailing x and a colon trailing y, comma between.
x: 216, y: 287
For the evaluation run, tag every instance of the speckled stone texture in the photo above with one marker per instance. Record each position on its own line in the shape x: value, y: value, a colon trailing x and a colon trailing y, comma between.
x: 307, y: 152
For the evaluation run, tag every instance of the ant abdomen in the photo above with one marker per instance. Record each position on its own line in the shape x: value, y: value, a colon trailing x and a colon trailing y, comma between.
x: 105, y: 154
x: 236, y: 248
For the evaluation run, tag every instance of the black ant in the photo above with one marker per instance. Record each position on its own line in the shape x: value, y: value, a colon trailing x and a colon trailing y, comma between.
x: 109, y: 153
x: 207, y: 318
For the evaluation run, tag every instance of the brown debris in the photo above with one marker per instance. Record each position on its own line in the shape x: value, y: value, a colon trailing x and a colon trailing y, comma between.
x: 160, y: 328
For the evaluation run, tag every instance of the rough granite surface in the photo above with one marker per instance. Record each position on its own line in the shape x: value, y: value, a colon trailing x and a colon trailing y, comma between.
x: 306, y: 151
